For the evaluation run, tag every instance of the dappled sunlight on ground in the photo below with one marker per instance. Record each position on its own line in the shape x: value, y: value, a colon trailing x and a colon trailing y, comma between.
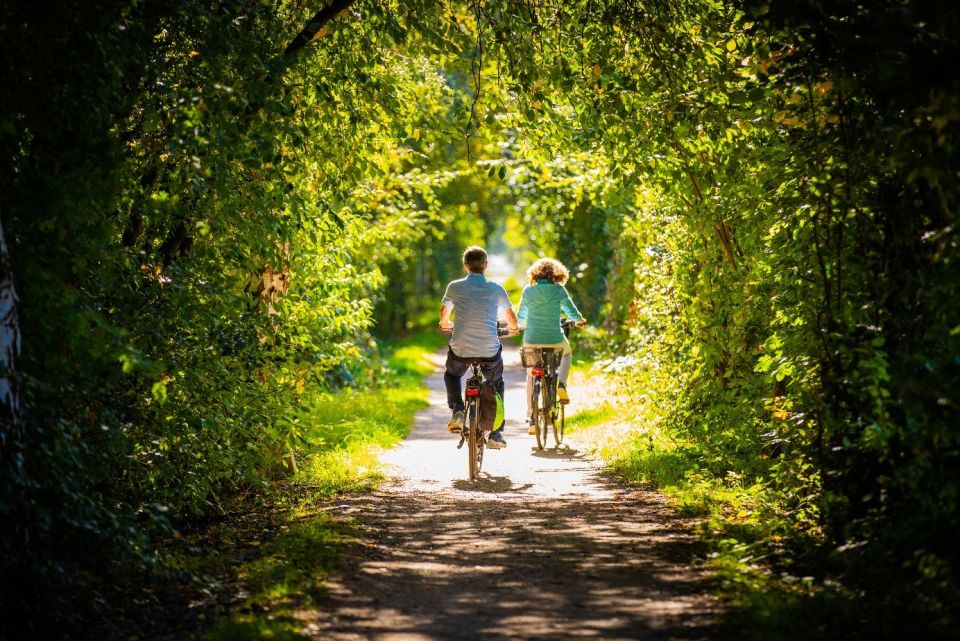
x: 542, y: 546
x: 430, y: 461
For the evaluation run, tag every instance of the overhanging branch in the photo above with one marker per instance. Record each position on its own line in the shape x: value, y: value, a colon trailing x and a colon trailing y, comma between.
x: 312, y: 29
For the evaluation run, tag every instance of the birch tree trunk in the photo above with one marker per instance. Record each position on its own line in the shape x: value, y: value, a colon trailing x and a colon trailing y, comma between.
x: 10, y: 405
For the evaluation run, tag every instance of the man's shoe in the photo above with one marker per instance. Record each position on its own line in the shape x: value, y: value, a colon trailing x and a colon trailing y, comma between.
x: 533, y: 426
x: 562, y: 396
x: 455, y: 426
x: 496, y: 440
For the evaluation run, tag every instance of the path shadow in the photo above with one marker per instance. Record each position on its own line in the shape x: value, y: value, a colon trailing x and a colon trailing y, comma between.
x: 564, y: 452
x: 537, y: 569
x: 489, y: 484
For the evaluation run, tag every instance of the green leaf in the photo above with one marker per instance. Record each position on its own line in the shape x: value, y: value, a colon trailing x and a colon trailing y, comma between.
x: 159, y: 391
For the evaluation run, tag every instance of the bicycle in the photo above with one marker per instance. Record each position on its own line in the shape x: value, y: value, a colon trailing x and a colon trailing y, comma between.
x: 470, y: 433
x: 546, y: 410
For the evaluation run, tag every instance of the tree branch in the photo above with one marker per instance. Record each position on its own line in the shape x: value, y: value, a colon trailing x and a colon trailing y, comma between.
x: 312, y: 29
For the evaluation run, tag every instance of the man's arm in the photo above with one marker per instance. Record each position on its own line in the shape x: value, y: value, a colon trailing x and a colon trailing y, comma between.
x: 446, y: 306
x: 507, y: 307
x: 512, y: 321
x: 445, y: 317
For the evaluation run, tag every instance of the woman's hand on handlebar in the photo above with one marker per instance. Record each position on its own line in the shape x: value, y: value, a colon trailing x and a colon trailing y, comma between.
x: 581, y: 323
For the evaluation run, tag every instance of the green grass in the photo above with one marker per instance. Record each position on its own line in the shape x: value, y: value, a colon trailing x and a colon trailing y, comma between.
x: 257, y: 628
x: 344, y: 435
x: 409, y: 357
x: 592, y: 416
x: 765, y: 551
x: 348, y: 429
x: 754, y: 533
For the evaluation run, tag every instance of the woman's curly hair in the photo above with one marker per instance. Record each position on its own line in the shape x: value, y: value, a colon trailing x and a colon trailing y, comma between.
x: 549, y: 268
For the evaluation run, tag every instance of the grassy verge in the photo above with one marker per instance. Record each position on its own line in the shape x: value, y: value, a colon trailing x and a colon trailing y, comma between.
x: 758, y: 538
x: 773, y: 565
x: 265, y: 568
x: 348, y: 429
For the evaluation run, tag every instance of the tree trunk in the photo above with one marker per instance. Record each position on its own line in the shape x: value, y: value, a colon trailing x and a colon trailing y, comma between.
x: 10, y: 406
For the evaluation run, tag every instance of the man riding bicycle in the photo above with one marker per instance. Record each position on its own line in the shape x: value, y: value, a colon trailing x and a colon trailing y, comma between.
x: 478, y: 302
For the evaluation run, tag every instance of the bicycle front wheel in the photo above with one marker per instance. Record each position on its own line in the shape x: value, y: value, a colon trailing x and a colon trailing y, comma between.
x: 473, y: 438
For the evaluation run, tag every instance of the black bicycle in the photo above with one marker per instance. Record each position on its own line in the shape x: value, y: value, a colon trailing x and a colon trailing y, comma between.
x: 546, y: 410
x: 471, y: 433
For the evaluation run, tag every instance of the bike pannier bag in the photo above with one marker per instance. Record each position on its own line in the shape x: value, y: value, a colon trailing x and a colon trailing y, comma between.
x: 490, y: 405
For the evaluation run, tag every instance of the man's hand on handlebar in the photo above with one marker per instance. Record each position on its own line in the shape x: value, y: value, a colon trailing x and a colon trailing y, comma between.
x: 581, y: 323
x: 506, y: 329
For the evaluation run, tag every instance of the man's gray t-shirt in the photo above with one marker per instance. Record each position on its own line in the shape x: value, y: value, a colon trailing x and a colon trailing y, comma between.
x: 477, y: 302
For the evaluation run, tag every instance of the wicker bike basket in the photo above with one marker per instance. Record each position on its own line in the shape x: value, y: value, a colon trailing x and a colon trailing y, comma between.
x: 540, y: 357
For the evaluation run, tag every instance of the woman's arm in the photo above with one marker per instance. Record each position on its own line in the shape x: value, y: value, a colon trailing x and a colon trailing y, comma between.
x: 567, y: 306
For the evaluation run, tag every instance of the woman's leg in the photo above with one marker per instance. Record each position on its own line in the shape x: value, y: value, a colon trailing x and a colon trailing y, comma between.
x: 564, y: 370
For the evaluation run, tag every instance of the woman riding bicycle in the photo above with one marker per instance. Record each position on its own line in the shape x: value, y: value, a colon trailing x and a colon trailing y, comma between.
x: 543, y: 300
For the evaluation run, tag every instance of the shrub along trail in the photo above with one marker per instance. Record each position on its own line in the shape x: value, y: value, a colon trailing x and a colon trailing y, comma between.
x: 544, y: 546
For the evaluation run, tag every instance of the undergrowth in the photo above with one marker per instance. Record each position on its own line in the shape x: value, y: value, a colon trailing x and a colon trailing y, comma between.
x: 344, y: 432
x: 766, y: 551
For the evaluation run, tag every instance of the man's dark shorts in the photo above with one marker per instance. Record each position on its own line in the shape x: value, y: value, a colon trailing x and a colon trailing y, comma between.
x: 457, y: 366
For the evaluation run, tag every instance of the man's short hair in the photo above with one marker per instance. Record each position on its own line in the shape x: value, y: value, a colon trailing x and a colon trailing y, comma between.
x: 475, y: 259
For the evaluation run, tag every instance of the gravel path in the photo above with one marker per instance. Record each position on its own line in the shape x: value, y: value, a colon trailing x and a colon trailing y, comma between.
x: 543, y: 546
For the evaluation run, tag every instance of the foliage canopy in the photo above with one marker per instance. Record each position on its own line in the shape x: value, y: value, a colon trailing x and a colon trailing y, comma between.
x: 207, y: 214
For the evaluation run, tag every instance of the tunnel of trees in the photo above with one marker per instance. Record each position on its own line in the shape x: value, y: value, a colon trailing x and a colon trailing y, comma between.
x: 212, y: 211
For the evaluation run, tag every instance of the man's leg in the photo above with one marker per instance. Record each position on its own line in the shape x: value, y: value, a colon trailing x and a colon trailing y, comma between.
x: 451, y: 379
x: 493, y: 372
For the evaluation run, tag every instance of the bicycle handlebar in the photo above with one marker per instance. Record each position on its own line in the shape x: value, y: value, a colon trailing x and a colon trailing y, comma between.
x: 502, y: 330
x: 565, y: 325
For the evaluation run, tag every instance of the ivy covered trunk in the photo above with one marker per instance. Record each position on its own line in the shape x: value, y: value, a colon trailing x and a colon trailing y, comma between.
x: 10, y: 402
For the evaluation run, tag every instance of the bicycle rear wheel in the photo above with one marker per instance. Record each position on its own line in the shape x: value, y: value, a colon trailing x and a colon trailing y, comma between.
x: 536, y: 414
x: 481, y: 446
x: 543, y: 416
x: 473, y: 427
x: 558, y: 425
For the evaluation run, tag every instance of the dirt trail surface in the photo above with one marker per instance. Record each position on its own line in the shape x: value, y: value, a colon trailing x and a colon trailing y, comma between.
x: 543, y: 546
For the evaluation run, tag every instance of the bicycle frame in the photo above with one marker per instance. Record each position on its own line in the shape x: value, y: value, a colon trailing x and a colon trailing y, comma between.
x: 545, y: 377
x: 545, y: 381
x: 545, y: 410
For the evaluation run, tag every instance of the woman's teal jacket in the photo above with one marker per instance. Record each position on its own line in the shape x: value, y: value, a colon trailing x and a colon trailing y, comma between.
x: 540, y: 308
